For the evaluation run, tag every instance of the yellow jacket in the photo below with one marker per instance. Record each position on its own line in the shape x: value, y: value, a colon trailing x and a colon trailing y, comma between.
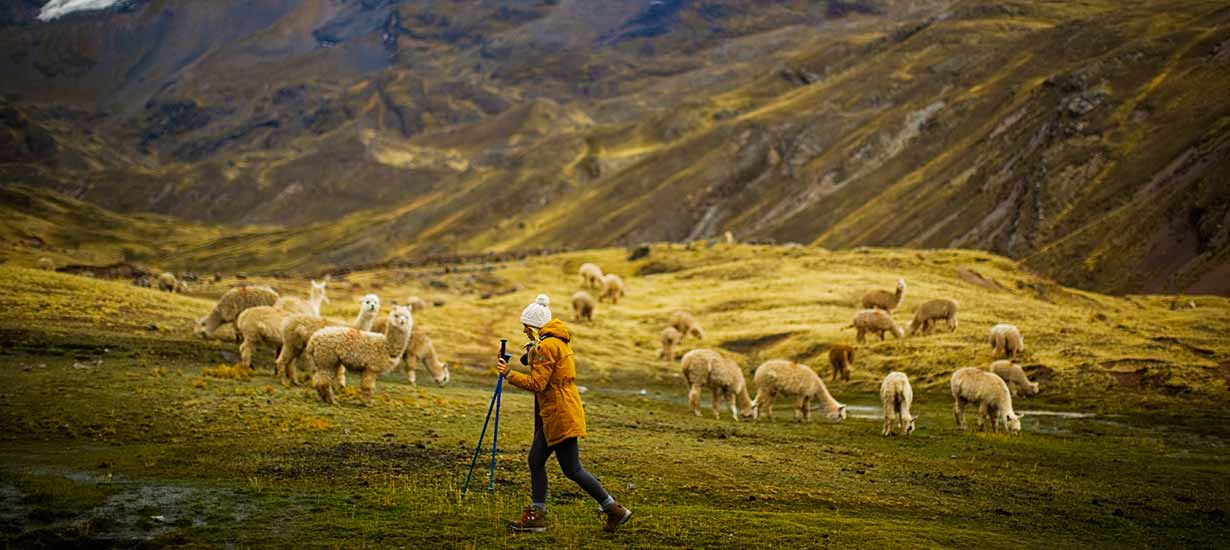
x: 552, y: 378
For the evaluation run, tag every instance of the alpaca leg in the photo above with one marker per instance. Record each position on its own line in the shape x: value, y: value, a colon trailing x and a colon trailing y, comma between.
x: 982, y: 415
x: 860, y: 338
x: 800, y: 407
x: 888, y: 423
x: 279, y: 365
x: 245, y: 353
x: 807, y: 409
x: 717, y: 403
x: 339, y: 376
x: 734, y: 407
x: 958, y: 412
x: 410, y: 370
x: 323, y: 385
x: 694, y: 399
x: 368, y: 386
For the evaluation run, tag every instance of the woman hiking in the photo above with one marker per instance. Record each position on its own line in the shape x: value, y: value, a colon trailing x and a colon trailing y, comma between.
x: 558, y: 417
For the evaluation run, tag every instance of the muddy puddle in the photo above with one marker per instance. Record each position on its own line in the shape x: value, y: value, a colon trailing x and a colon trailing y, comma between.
x: 138, y: 511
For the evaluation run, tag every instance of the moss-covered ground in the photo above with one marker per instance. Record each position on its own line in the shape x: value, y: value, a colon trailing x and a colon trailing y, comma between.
x: 119, y: 427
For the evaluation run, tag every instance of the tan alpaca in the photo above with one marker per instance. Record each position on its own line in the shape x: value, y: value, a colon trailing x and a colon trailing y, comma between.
x: 298, y: 328
x: 875, y: 321
x: 612, y: 288
x: 703, y: 368
x: 260, y: 326
x: 790, y: 378
x: 933, y: 311
x: 670, y: 343
x: 583, y: 306
x: 231, y: 304
x: 1014, y: 375
x: 687, y: 325
x: 883, y: 299
x: 333, y: 350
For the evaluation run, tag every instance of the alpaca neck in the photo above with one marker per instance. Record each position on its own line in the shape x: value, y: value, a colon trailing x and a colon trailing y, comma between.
x: 395, y: 340
x: 315, y: 301
x: 822, y: 393
x: 364, y: 320
x: 744, y: 400
x: 213, y: 322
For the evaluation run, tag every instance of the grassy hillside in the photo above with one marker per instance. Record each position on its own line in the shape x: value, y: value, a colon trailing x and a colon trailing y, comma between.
x: 161, y: 447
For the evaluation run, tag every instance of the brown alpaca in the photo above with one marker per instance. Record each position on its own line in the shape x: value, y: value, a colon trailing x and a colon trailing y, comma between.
x: 583, y: 306
x: 841, y: 357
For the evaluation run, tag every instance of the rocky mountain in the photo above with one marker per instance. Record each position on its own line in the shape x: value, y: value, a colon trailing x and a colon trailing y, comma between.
x: 1088, y: 139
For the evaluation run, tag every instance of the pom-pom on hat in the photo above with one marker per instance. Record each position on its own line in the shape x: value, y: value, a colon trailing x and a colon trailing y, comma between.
x: 537, y: 314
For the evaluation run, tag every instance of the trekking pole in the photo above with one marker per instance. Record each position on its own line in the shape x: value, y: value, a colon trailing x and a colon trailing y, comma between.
x: 495, y: 435
x: 495, y: 398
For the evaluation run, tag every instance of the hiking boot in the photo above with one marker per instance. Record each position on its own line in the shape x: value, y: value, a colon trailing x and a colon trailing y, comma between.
x: 615, y: 516
x: 532, y: 521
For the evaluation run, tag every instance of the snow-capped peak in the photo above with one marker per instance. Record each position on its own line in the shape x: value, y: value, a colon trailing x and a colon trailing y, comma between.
x: 60, y: 8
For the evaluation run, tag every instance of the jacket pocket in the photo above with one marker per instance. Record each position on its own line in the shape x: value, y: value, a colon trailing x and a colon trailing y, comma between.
x: 548, y: 407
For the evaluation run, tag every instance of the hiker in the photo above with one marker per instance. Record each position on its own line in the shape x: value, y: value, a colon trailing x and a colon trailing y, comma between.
x: 559, y: 419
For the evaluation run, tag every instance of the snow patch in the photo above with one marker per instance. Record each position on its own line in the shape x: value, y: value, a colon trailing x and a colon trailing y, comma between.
x: 60, y: 8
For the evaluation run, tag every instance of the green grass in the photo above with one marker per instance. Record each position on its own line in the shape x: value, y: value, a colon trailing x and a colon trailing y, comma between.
x: 106, y: 426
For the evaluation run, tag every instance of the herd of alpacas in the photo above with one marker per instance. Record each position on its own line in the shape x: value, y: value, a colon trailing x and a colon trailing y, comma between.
x: 371, y: 346
x: 294, y: 329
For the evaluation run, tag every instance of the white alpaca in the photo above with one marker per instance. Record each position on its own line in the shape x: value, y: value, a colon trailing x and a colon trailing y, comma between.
x: 704, y: 368
x: 973, y: 385
x: 1006, y: 340
x: 310, y: 306
x: 896, y: 395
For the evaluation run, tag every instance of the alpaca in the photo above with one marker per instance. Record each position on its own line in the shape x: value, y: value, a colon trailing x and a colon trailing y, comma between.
x: 896, y: 396
x: 591, y: 276
x: 780, y: 376
x: 261, y: 325
x: 704, y: 368
x: 670, y: 340
x: 883, y: 299
x: 932, y: 311
x: 231, y: 304
x: 974, y: 385
x: 841, y: 358
x: 310, y: 306
x: 876, y: 321
x: 583, y: 306
x: 333, y: 350
x: 687, y: 325
x: 1014, y: 375
x: 298, y: 328
x: 612, y: 288
x: 1007, y: 340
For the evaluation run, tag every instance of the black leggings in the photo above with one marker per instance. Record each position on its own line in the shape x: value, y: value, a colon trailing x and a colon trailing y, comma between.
x: 569, y: 457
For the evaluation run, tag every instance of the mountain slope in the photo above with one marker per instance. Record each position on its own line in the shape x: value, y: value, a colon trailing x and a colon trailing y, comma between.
x: 1082, y: 138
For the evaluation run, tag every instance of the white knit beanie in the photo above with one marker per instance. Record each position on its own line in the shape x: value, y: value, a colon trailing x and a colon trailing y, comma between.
x: 537, y: 314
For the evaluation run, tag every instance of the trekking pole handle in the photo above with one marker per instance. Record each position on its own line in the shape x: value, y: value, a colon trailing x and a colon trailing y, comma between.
x: 503, y: 350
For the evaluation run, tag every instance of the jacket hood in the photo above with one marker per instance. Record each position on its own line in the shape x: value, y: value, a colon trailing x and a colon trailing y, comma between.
x: 555, y: 328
